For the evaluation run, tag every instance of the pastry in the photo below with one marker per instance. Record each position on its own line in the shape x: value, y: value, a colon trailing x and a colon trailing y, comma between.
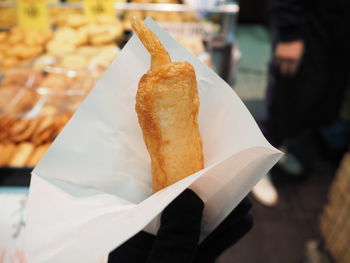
x: 167, y: 106
x: 22, y: 154
x: 76, y: 20
x: 18, y: 47
x: 7, y: 150
x: 28, y: 52
x: 27, y: 133
x: 87, y: 51
x: 44, y: 130
x: 19, y: 127
x: 66, y: 35
x: 101, y: 35
x: 74, y: 62
x: 37, y: 155
x: 82, y: 37
x: 58, y: 48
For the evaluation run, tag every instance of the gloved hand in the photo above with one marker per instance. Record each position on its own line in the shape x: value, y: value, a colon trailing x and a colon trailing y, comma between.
x: 178, y: 235
x: 230, y: 231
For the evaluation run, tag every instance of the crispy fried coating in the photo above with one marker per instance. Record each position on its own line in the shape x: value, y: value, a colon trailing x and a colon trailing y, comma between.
x: 167, y: 107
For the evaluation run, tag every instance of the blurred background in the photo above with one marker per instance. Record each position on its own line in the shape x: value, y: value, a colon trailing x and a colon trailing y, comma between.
x: 288, y: 60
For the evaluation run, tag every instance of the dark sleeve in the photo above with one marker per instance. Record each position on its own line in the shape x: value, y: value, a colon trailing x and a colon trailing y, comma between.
x: 287, y: 18
x: 178, y: 236
x: 136, y: 249
x: 230, y: 231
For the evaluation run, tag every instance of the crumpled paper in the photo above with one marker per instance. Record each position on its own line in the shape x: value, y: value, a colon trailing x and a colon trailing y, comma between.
x: 92, y: 190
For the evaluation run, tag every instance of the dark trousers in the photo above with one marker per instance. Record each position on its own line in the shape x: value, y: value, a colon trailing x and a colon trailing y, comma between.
x: 311, y: 98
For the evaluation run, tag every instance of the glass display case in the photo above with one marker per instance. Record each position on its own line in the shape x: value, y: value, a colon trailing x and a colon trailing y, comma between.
x: 42, y: 71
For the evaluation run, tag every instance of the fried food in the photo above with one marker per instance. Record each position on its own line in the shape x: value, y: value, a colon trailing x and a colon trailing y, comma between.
x: 7, y: 150
x: 59, y: 48
x: 105, y: 34
x: 74, y: 62
x: 37, y: 155
x: 23, y: 142
x: 27, y: 132
x: 22, y: 154
x: 44, y: 130
x: 19, y: 47
x: 76, y: 20
x: 19, y: 127
x: 167, y: 106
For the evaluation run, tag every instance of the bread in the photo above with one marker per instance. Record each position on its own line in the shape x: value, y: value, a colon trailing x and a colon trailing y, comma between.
x: 167, y: 106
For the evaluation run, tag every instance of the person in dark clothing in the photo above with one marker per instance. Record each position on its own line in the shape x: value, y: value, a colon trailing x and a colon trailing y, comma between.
x: 177, y: 240
x: 309, y: 71
x: 310, y: 67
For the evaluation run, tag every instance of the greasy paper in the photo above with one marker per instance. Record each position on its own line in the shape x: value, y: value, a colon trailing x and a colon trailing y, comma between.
x: 92, y: 190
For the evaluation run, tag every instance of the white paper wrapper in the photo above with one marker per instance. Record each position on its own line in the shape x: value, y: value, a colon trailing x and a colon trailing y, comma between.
x: 92, y: 190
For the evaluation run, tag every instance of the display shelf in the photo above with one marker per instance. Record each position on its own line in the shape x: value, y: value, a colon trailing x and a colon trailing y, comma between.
x: 232, y: 8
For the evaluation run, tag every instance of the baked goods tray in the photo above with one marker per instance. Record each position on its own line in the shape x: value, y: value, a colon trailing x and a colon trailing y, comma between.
x: 230, y: 8
x: 15, y: 176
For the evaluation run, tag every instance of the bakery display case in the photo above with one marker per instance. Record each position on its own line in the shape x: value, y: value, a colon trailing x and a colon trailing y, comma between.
x: 34, y: 107
x: 206, y: 31
x: 45, y: 74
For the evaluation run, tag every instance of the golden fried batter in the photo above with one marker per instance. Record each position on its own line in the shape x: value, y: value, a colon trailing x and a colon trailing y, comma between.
x: 167, y: 107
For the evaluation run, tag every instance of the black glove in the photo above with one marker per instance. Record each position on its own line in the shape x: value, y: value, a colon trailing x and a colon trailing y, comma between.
x: 233, y: 228
x: 178, y: 235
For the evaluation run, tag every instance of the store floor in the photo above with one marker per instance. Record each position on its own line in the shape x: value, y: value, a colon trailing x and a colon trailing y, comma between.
x: 281, y: 233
